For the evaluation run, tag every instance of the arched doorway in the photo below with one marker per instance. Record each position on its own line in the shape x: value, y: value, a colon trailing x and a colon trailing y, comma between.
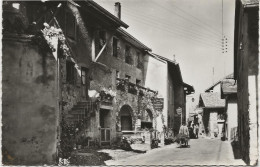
x: 147, y: 119
x: 126, y: 118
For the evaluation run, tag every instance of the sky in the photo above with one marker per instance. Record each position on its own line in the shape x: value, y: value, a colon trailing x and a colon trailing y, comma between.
x: 189, y: 29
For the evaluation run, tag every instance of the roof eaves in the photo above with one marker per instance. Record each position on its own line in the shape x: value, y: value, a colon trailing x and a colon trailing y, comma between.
x: 189, y: 87
x: 106, y: 13
x: 219, y: 81
x: 250, y: 3
x: 136, y: 41
x: 166, y: 59
x: 156, y: 57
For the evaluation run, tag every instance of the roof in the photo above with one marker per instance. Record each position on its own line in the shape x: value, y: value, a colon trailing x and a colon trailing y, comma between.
x: 164, y: 58
x: 230, y: 76
x: 229, y: 86
x: 190, y: 89
x: 250, y: 3
x: 102, y: 11
x: 172, y: 64
x: 128, y: 37
x: 212, y: 100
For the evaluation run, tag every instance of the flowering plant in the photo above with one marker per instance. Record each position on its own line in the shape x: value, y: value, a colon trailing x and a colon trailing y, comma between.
x: 121, y: 85
x: 107, y: 92
x: 50, y: 33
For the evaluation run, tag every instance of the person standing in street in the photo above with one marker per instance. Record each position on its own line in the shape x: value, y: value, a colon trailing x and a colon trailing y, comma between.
x: 196, y: 131
x: 184, y: 131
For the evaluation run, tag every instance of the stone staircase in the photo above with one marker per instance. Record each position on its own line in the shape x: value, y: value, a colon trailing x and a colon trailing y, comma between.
x: 80, y: 111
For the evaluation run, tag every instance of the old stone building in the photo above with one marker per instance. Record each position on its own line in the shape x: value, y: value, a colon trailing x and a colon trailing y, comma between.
x: 76, y: 69
x: 246, y: 73
x: 73, y: 76
x: 164, y: 75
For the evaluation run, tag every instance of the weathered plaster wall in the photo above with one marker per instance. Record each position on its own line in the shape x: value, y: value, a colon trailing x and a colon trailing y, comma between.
x: 156, y: 79
x: 118, y: 63
x: 30, y: 112
x: 104, y: 75
x: 231, y: 117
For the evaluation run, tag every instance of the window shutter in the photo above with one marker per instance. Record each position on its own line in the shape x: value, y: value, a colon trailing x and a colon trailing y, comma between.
x: 77, y: 76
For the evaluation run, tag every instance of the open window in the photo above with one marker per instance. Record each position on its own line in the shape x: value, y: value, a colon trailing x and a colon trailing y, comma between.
x: 70, y: 72
x: 139, y: 61
x: 70, y: 26
x: 115, y: 43
x: 128, y: 57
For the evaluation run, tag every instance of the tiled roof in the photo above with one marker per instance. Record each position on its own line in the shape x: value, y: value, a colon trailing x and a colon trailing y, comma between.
x: 212, y: 100
x: 228, y: 86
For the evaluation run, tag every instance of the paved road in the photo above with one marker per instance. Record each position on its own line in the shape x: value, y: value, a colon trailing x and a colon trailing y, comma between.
x: 200, y: 152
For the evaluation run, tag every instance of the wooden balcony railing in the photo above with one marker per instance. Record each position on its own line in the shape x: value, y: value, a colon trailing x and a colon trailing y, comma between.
x: 125, y: 85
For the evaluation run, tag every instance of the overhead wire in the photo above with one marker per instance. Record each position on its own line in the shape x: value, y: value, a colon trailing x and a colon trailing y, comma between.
x: 169, y: 29
x: 174, y: 26
x: 164, y: 27
x: 170, y: 32
x: 206, y: 24
x: 187, y: 19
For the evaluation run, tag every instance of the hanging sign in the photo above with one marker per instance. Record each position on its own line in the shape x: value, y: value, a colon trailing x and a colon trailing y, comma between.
x: 179, y: 110
x: 158, y: 104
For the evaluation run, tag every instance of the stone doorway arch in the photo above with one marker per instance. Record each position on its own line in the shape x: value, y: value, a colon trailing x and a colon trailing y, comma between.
x: 126, y: 118
x: 147, y: 119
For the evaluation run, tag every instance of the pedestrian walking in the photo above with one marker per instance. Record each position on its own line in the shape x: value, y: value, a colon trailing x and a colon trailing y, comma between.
x: 196, y: 131
x: 184, y: 134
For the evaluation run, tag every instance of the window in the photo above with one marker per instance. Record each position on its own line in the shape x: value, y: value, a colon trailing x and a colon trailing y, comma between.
x: 117, y: 76
x: 127, y: 77
x: 139, y: 60
x: 114, y: 47
x: 84, y: 75
x: 70, y: 75
x: 102, y: 39
x: 70, y: 26
x: 128, y: 58
x: 138, y: 82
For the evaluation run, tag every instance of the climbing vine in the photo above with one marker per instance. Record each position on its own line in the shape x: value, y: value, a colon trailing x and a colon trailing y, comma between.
x: 50, y: 33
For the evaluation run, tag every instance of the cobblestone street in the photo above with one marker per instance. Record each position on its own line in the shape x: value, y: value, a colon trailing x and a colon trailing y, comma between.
x: 200, y: 152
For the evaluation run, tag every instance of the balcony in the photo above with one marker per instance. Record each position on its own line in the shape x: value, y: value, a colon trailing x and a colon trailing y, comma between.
x: 126, y: 86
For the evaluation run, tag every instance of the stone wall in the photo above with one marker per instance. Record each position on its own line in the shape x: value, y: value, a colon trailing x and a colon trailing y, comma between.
x: 30, y: 108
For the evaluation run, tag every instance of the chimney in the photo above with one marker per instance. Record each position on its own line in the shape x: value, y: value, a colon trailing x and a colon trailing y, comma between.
x: 118, y: 10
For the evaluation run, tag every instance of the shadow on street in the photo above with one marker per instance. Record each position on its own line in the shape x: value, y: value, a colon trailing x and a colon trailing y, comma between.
x: 236, y: 150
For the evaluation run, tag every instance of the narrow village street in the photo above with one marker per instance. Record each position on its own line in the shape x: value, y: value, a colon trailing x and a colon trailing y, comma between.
x: 122, y: 82
x: 201, y: 151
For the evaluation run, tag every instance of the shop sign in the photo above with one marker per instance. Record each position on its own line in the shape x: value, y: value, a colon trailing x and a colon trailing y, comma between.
x: 179, y: 110
x: 158, y: 104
